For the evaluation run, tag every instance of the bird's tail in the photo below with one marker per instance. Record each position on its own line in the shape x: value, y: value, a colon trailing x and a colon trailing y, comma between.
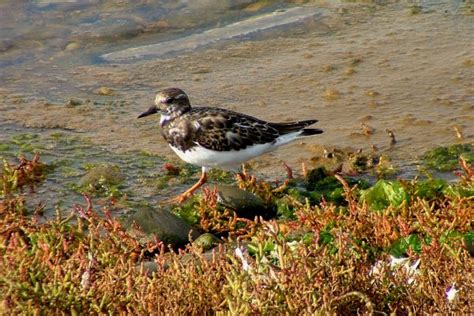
x: 291, y: 127
x: 310, y: 131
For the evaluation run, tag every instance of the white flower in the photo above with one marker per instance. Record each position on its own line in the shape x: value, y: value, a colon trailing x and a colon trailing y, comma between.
x: 293, y: 245
x: 377, y: 268
x: 239, y: 254
x: 272, y: 227
x: 451, y: 293
x: 410, y: 269
x: 394, y: 262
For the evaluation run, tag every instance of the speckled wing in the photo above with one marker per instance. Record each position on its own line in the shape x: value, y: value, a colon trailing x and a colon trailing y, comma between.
x: 224, y: 130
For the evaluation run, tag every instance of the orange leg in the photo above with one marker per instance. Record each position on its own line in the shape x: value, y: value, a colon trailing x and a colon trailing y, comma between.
x: 189, y: 192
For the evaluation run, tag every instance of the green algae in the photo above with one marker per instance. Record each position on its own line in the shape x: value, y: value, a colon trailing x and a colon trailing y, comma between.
x: 188, y: 210
x: 101, y: 180
x: 327, y: 238
x: 321, y: 184
x: 4, y: 147
x: 466, y: 191
x: 284, y: 208
x: 385, y: 193
x: 446, y: 158
x: 414, y: 242
x: 430, y: 188
x: 70, y: 160
x: 221, y: 176
x: 403, y: 245
x: 469, y: 242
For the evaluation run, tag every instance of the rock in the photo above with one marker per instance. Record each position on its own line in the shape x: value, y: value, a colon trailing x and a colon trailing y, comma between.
x: 149, y: 267
x: 147, y: 223
x: 104, y: 91
x: 72, y: 46
x: 314, y: 176
x: 207, y: 241
x: 189, y: 258
x: 102, y: 175
x: 244, y: 203
x: 73, y: 102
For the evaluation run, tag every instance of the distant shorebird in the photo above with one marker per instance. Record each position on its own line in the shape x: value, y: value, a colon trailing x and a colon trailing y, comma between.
x: 213, y: 137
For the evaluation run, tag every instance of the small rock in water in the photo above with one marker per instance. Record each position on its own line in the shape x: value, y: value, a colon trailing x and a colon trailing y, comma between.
x: 6, y: 44
x: 349, y: 71
x: 102, y: 174
x: 73, y: 102
x: 72, y: 46
x: 372, y: 93
x: 104, y: 91
x: 256, y: 6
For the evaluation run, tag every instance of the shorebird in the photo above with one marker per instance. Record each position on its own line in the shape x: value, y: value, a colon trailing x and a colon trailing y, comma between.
x: 213, y: 137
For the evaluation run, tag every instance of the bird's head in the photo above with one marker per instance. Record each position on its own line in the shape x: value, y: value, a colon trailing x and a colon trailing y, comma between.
x: 170, y: 103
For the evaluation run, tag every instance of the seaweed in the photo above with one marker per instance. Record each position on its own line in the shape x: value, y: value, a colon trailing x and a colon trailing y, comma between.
x: 445, y: 158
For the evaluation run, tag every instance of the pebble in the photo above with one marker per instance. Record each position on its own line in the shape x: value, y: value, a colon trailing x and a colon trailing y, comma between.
x: 104, y: 91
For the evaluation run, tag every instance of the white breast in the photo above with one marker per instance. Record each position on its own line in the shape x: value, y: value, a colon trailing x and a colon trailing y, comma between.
x: 204, y: 157
x: 164, y: 118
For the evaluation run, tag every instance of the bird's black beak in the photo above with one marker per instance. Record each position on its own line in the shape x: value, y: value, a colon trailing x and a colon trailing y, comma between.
x: 152, y: 110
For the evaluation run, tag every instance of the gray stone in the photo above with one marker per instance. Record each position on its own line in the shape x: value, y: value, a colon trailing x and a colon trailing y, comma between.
x: 207, y: 241
x: 244, y: 203
x: 147, y: 223
x: 105, y: 174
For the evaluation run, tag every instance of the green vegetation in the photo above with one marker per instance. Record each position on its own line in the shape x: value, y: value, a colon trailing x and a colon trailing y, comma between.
x: 445, y: 158
x: 384, y: 194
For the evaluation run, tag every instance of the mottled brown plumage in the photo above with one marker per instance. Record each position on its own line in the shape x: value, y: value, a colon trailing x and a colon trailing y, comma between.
x: 211, y: 137
x: 222, y: 130
x: 217, y: 129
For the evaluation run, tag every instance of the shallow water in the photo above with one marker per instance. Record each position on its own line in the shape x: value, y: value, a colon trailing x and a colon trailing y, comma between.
x: 388, y: 66
x: 69, y: 156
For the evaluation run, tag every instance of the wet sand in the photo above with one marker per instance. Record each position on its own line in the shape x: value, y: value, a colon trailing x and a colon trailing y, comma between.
x: 378, y: 65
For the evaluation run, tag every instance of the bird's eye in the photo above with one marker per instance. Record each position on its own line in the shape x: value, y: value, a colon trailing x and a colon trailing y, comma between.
x: 169, y: 100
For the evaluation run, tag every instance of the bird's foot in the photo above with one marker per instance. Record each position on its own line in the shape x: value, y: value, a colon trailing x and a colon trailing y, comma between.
x: 188, y: 193
x: 179, y: 199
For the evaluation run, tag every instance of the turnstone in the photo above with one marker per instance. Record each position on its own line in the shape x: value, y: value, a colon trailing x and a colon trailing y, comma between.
x: 214, y: 137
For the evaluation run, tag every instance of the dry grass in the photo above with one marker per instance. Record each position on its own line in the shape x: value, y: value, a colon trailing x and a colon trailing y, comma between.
x: 332, y: 259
